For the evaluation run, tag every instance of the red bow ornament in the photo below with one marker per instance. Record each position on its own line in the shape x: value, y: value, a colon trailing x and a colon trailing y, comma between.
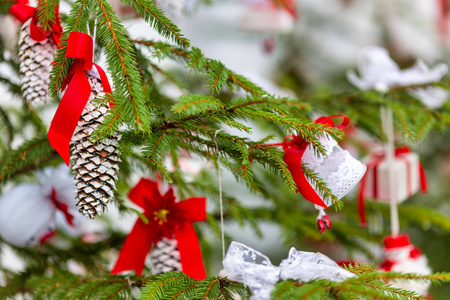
x: 23, y: 12
x: 167, y: 218
x: 80, y: 48
x: 337, y: 168
x: 408, y: 173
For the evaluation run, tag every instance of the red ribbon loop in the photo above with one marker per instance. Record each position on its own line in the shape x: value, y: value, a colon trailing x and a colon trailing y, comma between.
x: 293, y: 153
x: 176, y: 221
x: 79, y: 47
x: 372, y: 166
x: 23, y: 12
x: 62, y: 207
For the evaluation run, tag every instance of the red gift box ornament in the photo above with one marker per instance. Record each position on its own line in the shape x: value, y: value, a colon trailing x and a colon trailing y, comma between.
x: 337, y: 168
x: 167, y: 219
x: 408, y: 173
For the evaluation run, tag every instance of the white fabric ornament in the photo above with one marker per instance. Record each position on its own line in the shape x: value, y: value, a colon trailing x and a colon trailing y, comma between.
x: 378, y: 71
x: 254, y: 269
x: 27, y: 211
x: 35, y: 64
x: 403, y: 257
x: 338, y: 168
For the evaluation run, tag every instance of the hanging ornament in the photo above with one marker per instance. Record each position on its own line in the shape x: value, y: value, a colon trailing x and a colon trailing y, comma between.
x: 28, y: 211
x: 36, y: 51
x: 94, y: 163
x: 268, y: 16
x: 379, y: 72
x: 173, y: 9
x: 339, y: 170
x: 403, y: 257
x: 408, y: 173
x: 169, y: 228
x: 254, y: 269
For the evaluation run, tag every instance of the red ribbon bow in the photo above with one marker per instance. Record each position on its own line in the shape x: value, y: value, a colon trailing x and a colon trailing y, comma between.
x: 80, y: 48
x: 23, y: 12
x: 166, y: 219
x: 293, y: 153
x: 373, y: 164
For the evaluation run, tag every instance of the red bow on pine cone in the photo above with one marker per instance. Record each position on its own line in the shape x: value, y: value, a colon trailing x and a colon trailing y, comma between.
x: 293, y: 153
x: 23, y: 12
x: 166, y: 219
x: 80, y: 48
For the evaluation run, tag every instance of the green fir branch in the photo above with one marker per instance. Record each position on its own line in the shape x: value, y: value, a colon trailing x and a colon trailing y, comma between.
x: 46, y: 12
x: 121, y: 62
x: 156, y: 18
x: 30, y: 155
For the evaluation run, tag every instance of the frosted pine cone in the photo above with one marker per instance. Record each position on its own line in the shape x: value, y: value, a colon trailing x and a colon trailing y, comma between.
x: 165, y: 256
x: 35, y: 64
x: 95, y: 165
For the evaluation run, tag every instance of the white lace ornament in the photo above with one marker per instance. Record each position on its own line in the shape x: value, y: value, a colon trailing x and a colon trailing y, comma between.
x: 339, y: 170
x: 378, y: 71
x: 27, y: 213
x: 254, y: 269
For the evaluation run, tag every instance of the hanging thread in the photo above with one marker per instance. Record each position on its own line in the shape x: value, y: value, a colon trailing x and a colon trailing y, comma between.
x: 220, y: 194
x: 388, y: 127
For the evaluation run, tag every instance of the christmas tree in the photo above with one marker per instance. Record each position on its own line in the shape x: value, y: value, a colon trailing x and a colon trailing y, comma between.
x: 134, y: 166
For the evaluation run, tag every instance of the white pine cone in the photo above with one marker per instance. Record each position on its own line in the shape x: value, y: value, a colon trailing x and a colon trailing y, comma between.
x: 95, y: 164
x: 165, y: 256
x: 35, y: 64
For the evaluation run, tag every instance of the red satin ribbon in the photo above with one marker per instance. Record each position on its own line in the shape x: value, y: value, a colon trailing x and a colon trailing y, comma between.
x: 62, y: 207
x: 180, y: 216
x: 289, y: 5
x: 23, y: 12
x: 80, y: 48
x: 372, y: 167
x: 293, y: 153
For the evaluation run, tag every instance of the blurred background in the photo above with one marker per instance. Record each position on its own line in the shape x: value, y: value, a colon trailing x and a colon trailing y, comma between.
x: 304, y: 55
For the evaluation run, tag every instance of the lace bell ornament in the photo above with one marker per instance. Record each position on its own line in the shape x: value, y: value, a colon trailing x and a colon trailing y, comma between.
x: 338, y: 169
x: 403, y: 257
